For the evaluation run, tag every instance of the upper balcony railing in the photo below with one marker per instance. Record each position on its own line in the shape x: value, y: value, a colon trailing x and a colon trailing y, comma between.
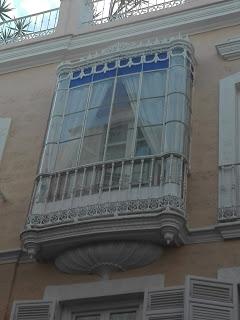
x: 110, y: 10
x: 29, y: 27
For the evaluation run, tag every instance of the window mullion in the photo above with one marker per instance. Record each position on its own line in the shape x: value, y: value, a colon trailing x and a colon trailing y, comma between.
x: 63, y: 116
x: 140, y: 81
x: 165, y: 109
x: 110, y: 118
x: 84, y: 123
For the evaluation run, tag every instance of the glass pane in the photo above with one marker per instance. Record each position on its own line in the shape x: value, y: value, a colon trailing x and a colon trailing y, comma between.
x: 177, y: 108
x: 72, y: 126
x: 177, y: 60
x: 176, y: 138
x: 126, y: 91
x: 118, y: 134
x: 154, y: 84
x: 42, y: 190
x: 116, y: 152
x: 151, y: 111
x: 97, y: 121
x: 92, y: 149
x: 49, y: 158
x: 69, y: 185
x: 123, y: 316
x: 119, y: 142
x: 77, y: 99
x: 67, y: 154
x: 59, y: 102
x: 101, y: 94
x: 177, y: 80
x: 149, y: 140
x: 64, y: 83
x: 54, y: 129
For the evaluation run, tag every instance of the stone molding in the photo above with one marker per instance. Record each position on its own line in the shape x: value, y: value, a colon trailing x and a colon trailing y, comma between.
x: 106, y: 257
x: 219, y: 232
x: 109, y: 209
x: 133, y: 285
x: 55, y: 48
x: 230, y: 49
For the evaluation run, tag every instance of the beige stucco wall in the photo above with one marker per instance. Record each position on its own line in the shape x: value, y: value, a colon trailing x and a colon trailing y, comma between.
x: 25, y: 96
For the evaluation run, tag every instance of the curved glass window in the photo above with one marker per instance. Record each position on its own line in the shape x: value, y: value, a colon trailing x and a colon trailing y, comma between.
x: 130, y: 107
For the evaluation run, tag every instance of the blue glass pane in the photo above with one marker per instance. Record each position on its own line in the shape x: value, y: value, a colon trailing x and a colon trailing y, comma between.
x: 155, y: 66
x: 99, y: 67
x: 79, y: 81
x: 136, y: 59
x: 128, y: 70
x: 162, y: 55
x: 88, y: 70
x: 150, y: 57
x: 104, y: 75
x: 111, y: 65
x: 76, y: 74
x: 124, y: 62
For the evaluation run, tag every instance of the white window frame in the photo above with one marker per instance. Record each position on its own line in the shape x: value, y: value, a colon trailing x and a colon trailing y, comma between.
x: 229, y: 152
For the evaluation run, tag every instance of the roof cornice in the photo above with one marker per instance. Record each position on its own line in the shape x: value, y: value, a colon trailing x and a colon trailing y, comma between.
x: 58, y: 49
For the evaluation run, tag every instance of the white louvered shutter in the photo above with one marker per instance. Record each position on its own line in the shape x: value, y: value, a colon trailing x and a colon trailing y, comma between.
x: 164, y: 304
x: 33, y: 310
x: 210, y: 299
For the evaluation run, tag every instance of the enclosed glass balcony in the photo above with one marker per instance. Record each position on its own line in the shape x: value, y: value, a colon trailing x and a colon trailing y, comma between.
x: 118, y: 144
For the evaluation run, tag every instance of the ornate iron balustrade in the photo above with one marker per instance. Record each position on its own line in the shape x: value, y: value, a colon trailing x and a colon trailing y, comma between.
x: 229, y: 192
x: 29, y: 27
x: 126, y: 186
x: 110, y: 10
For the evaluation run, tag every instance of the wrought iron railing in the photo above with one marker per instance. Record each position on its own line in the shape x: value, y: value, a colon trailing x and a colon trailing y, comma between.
x: 229, y: 192
x: 29, y: 27
x: 110, y: 10
x: 112, y: 181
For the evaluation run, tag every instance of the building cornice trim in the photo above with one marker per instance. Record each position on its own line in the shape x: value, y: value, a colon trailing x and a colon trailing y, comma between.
x: 13, y: 256
x: 214, y: 233
x: 230, y: 49
x: 55, y: 50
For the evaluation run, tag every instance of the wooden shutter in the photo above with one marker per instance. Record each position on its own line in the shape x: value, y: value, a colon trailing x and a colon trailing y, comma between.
x: 164, y: 304
x: 210, y: 299
x: 33, y: 310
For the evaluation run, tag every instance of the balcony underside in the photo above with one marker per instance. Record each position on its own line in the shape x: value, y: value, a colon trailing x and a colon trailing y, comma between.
x: 137, y: 205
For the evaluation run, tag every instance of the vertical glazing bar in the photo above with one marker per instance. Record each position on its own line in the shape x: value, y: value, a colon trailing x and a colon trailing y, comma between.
x: 48, y: 191
x: 121, y: 176
x: 49, y: 19
x: 162, y: 171
x: 141, y: 174
x: 92, y: 179
x: 83, y: 181
x: 151, y: 172
x: 57, y: 185
x: 131, y: 174
x: 56, y: 18
x: 65, y: 185
x: 35, y: 24
x: 170, y: 177
x: 74, y: 183
x: 111, y: 177
x: 41, y: 23
x: 102, y: 179
x: 185, y: 184
x: 233, y: 188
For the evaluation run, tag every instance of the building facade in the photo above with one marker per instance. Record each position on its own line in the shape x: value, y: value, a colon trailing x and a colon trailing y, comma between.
x: 119, y: 173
